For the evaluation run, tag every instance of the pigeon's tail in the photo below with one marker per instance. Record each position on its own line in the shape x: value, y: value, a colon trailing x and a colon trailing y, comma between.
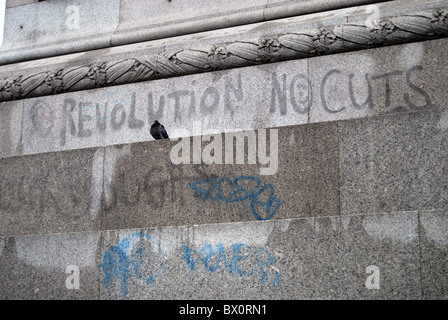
x: 163, y: 132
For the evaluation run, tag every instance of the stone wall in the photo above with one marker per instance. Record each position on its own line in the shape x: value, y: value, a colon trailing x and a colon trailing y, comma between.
x: 342, y: 192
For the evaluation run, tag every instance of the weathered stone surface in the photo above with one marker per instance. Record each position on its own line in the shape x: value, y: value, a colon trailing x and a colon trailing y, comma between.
x: 15, y: 3
x: 308, y: 176
x: 368, y: 13
x: 277, y: 8
x: 355, y: 208
x: 303, y: 183
x: 285, y: 172
x: 315, y: 258
x: 10, y: 128
x: 357, y: 257
x: 45, y: 267
x: 271, y: 95
x: 43, y: 23
x: 142, y: 180
x: 172, y: 44
x: 124, y: 22
x: 70, y: 122
x: 387, y: 80
x: 394, y: 163
x: 143, y: 188
x: 164, y: 12
x: 434, y: 251
x: 51, y: 193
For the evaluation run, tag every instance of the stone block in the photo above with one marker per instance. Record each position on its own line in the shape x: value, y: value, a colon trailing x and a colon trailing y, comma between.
x: 245, y: 181
x: 394, y: 163
x: 42, y: 267
x: 51, y: 192
x: 55, y: 21
x: 165, y: 12
x: 299, y: 177
x: 358, y: 257
x: 224, y: 260
x: 10, y: 128
x: 144, y: 188
x: 434, y: 251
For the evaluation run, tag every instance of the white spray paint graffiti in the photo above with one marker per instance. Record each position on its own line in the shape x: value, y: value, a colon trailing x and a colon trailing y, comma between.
x: 96, y: 182
x: 111, y: 157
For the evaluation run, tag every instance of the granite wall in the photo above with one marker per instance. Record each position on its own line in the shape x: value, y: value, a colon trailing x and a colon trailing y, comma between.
x: 356, y: 208
x: 341, y: 191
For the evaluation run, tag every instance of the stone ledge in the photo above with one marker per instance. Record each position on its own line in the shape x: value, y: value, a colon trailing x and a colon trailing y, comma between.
x: 405, y: 28
x: 126, y: 21
x: 395, y: 79
x: 388, y: 163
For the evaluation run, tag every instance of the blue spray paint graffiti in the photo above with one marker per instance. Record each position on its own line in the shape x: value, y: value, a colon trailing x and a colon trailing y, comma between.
x: 139, y: 256
x: 245, y: 261
x: 126, y: 259
x: 239, y: 193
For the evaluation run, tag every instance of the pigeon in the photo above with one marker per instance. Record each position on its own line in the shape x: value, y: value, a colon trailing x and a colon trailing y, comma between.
x: 158, y: 131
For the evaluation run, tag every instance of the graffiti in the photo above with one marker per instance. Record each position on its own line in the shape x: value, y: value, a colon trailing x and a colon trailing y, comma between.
x: 25, y: 190
x: 157, y: 187
x: 295, y: 91
x: 139, y: 258
x: 115, y: 111
x: 335, y: 91
x: 238, y: 193
x: 138, y: 255
x: 245, y: 261
x: 42, y: 118
x: 344, y: 82
x: 299, y: 93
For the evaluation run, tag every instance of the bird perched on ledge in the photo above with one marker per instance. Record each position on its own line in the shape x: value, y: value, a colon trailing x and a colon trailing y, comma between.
x: 158, y: 131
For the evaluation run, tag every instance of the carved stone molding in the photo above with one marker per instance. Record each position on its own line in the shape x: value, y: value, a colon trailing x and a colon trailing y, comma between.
x: 405, y: 28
